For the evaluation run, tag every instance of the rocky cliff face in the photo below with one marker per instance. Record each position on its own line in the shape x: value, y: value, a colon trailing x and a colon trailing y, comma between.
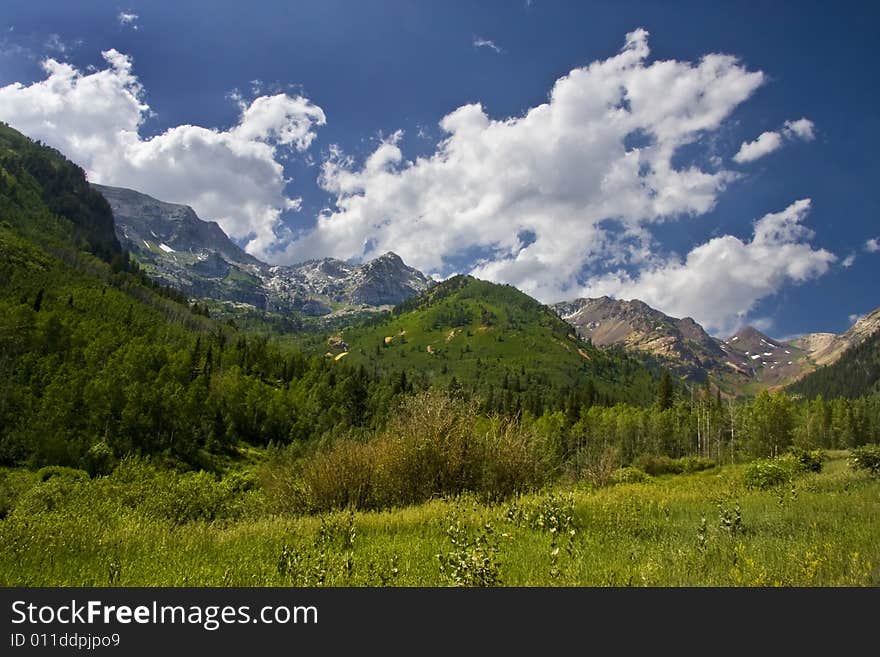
x: 148, y: 223
x: 826, y: 348
x: 319, y: 287
x: 178, y: 248
x: 635, y: 325
x: 771, y: 362
x: 745, y: 358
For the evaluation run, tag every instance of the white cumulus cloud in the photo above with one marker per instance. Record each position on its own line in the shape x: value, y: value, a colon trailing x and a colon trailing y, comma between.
x: 765, y: 144
x: 233, y: 176
x: 802, y: 128
x: 770, y: 141
x: 560, y: 201
x: 718, y: 283
x: 873, y: 245
x: 544, y: 198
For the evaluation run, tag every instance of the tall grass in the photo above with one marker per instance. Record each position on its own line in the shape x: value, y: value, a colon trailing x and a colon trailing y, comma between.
x: 703, y: 528
x: 434, y: 446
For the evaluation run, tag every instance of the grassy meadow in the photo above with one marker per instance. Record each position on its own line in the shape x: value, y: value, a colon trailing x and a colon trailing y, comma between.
x: 142, y: 526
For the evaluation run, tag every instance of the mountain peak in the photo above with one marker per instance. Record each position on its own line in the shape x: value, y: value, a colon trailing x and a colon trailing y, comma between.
x: 826, y: 348
x: 752, y: 343
x: 865, y: 326
x: 389, y: 259
x: 133, y: 195
x: 390, y: 256
x: 148, y: 227
x: 749, y: 333
x: 196, y: 256
x: 635, y: 325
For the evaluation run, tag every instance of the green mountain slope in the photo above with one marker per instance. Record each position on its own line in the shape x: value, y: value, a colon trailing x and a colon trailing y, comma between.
x: 45, y: 195
x: 97, y: 362
x: 855, y: 373
x: 495, y: 342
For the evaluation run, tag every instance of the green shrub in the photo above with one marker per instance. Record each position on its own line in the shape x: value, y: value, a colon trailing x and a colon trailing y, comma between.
x: 629, y: 475
x: 866, y: 457
x: 141, y: 486
x: 472, y: 559
x: 514, y: 459
x: 596, y: 462
x: 729, y: 516
x: 767, y: 473
x: 551, y: 513
x: 136, y: 486
x: 329, y: 558
x: 695, y: 464
x: 658, y: 465
x: 807, y: 460
x: 433, y: 447
x: 334, y: 479
x: 53, y: 487
x: 99, y: 460
x: 13, y: 483
x: 52, y: 471
x: 240, y: 482
x: 187, y: 497
x: 52, y: 493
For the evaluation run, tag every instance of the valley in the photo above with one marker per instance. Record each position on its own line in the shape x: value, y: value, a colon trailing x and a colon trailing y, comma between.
x: 161, y: 392
x: 177, y: 248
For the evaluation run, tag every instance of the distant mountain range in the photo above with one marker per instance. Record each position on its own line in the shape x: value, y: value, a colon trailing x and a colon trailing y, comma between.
x: 745, y: 358
x: 827, y: 348
x: 638, y: 327
x: 849, y: 364
x: 180, y: 249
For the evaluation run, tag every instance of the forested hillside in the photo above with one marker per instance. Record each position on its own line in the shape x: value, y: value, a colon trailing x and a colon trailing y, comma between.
x: 96, y: 362
x: 856, y: 373
x: 39, y: 185
x: 495, y: 343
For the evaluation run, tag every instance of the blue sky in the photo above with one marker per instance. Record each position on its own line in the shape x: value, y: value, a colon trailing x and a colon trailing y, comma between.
x: 296, y: 97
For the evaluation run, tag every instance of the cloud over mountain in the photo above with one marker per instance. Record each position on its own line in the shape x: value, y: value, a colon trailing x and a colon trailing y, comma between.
x: 562, y: 199
x: 719, y: 282
x: 233, y: 176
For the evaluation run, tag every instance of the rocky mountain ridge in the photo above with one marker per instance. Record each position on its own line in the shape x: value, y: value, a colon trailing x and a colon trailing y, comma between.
x: 764, y: 359
x: 635, y: 325
x: 180, y: 249
x: 826, y: 348
x: 748, y: 356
